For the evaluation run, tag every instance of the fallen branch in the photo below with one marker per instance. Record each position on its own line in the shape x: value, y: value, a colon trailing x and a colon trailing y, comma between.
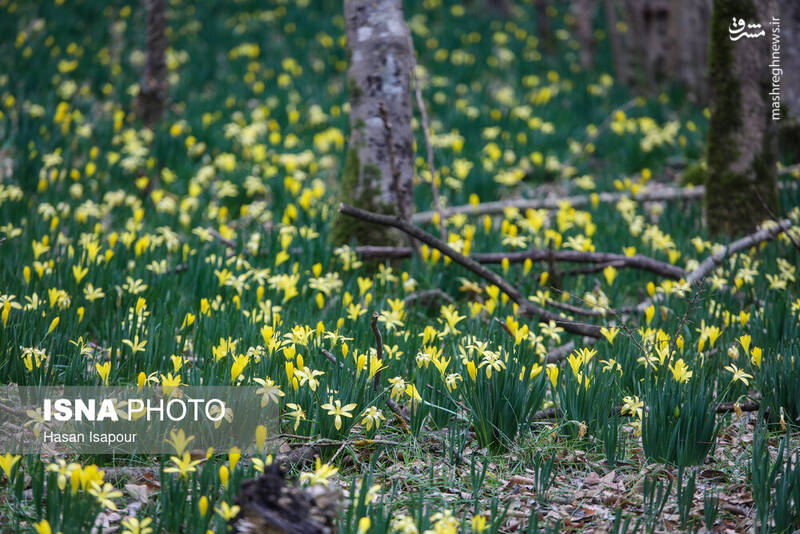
x: 605, y: 259
x: 498, y: 207
x: 636, y: 261
x: 716, y: 259
x: 525, y: 306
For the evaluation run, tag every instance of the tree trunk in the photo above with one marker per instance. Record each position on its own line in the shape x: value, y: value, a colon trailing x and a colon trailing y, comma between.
x: 543, y: 28
x: 153, y: 92
x: 583, y: 11
x: 790, y: 57
x: 502, y: 8
x: 688, y: 57
x: 619, y: 53
x: 740, y: 188
x: 379, y: 166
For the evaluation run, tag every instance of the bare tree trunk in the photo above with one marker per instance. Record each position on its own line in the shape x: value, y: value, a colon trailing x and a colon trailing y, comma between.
x: 379, y: 166
x: 619, y: 52
x: 583, y: 11
x: 740, y: 188
x: 688, y: 57
x: 789, y: 42
x: 153, y: 92
x: 503, y: 8
x: 543, y: 28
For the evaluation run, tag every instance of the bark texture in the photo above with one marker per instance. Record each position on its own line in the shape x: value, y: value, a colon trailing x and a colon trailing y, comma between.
x: 153, y: 92
x: 789, y: 13
x: 663, y: 40
x: 690, y: 21
x: 583, y: 11
x: 379, y: 166
x: 741, y: 141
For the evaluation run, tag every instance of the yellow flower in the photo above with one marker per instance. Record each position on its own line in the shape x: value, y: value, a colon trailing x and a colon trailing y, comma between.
x: 104, y: 494
x: 552, y: 374
x: 744, y: 340
x: 43, y: 527
x: 103, y: 370
x: 183, y: 466
x: 363, y: 525
x: 297, y: 413
x: 336, y: 409
x: 135, y: 345
x: 234, y: 455
x: 372, y: 416
x: 226, y: 511
x: 79, y: 272
x: 7, y: 463
x: 479, y: 523
x: 179, y: 441
x: 202, y: 506
x: 738, y: 374
x: 680, y: 371
x: 53, y: 324
x: 609, y: 333
x: 649, y: 313
x: 755, y: 356
x: 320, y: 475
x: 132, y: 525
x: 224, y: 475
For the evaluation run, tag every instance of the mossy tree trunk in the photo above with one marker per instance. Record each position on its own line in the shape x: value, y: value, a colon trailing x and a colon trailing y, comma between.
x: 740, y: 185
x: 153, y: 91
x: 379, y: 166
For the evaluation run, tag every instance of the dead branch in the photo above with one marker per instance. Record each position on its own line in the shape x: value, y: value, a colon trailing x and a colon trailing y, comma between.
x: 498, y: 207
x: 562, y: 351
x: 636, y: 261
x: 716, y: 259
x: 619, y: 261
x: 525, y: 306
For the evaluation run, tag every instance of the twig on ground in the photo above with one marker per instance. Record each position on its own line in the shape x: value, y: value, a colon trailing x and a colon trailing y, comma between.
x: 224, y: 240
x: 525, y: 306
